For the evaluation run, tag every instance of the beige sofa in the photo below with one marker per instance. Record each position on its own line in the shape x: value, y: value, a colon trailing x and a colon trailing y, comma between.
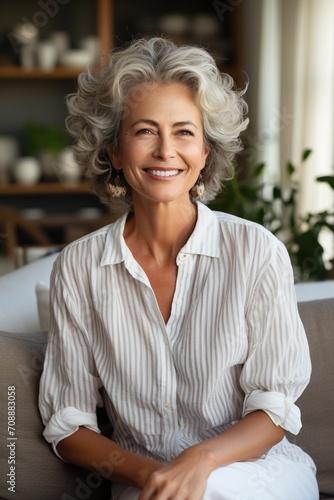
x: 27, y: 464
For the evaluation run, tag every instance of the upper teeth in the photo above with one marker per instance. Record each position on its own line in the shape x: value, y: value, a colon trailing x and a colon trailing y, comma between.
x: 163, y: 173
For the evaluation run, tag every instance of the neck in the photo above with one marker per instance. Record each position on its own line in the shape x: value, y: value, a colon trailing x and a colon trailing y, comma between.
x: 161, y: 230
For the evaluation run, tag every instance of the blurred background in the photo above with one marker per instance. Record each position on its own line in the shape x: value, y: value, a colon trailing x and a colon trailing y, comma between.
x: 282, y: 50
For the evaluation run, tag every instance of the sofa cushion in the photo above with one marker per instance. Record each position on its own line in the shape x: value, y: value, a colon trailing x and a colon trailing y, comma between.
x: 43, y: 307
x: 18, y: 311
x: 38, y: 470
x: 307, y: 291
x: 316, y: 403
x: 27, y: 460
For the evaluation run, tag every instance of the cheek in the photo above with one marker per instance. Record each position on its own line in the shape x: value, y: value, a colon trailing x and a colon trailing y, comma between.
x: 135, y: 149
x: 197, y: 152
x: 127, y: 156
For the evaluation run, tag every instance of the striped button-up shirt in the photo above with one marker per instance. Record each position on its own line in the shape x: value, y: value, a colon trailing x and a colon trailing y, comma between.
x: 234, y: 342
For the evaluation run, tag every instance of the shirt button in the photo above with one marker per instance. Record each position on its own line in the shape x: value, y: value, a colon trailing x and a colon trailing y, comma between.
x: 168, y: 405
x: 183, y: 256
x: 179, y: 302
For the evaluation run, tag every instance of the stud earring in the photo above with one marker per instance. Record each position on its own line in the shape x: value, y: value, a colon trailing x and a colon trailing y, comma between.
x: 197, y: 191
x: 117, y: 188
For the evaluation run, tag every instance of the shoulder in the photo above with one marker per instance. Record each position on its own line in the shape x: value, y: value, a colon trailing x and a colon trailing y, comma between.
x: 255, y: 251
x: 234, y: 236
x: 250, y: 243
x: 245, y: 230
x: 237, y: 223
x: 88, y: 243
x: 83, y: 255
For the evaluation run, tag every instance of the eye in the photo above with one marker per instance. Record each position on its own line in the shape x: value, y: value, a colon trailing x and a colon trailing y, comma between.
x: 185, y: 132
x: 144, y: 131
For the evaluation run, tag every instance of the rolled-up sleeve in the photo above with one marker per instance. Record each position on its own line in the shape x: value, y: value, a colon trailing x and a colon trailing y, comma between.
x: 70, y: 386
x: 65, y: 422
x: 278, y: 365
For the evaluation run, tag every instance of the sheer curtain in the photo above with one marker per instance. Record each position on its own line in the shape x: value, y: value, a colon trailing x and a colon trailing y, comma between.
x: 307, y: 91
x: 295, y: 99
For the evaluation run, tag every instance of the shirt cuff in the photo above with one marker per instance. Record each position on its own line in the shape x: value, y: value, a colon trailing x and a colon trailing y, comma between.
x: 279, y: 408
x: 67, y: 421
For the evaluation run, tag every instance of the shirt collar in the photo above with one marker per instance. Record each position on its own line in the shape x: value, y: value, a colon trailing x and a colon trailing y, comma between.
x: 205, y: 239
x: 115, y: 248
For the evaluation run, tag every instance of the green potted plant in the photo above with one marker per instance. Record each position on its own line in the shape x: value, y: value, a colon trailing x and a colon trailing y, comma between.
x: 45, y: 142
x: 278, y: 213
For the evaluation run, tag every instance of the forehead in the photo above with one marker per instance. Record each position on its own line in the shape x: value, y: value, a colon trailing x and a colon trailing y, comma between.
x: 163, y: 98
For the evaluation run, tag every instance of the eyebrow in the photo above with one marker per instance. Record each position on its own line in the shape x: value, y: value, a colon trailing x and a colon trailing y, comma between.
x: 156, y: 124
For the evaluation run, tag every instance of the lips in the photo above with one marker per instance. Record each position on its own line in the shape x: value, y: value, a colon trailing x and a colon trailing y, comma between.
x: 162, y: 173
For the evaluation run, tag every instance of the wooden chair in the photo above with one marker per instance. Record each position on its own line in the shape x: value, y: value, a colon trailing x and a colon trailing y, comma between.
x: 12, y: 221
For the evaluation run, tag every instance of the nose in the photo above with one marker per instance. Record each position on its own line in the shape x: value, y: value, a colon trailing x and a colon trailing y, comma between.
x: 164, y: 148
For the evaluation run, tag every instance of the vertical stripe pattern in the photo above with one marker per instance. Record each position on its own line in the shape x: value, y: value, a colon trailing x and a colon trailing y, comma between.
x: 234, y: 341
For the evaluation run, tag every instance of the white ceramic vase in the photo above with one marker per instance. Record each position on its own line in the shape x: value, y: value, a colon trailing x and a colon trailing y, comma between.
x: 27, y: 170
x: 68, y: 169
x: 47, y: 55
x: 9, y: 150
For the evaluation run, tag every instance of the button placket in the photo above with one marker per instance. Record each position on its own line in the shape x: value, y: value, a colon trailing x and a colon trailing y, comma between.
x: 168, y: 400
x: 171, y: 430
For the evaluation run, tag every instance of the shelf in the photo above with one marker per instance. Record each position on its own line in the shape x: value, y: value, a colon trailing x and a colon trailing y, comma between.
x: 104, y: 14
x: 16, y: 72
x: 44, y: 188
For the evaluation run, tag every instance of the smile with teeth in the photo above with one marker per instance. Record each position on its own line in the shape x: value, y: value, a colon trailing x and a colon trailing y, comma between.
x: 162, y: 173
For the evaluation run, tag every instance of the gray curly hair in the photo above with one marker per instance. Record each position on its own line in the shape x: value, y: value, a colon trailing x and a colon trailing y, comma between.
x: 100, y: 103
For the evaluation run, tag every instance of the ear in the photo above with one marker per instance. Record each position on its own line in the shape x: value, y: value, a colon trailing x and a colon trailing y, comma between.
x: 206, y: 152
x: 114, y: 158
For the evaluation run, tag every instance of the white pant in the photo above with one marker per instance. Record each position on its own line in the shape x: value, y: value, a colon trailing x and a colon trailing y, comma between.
x: 272, y: 478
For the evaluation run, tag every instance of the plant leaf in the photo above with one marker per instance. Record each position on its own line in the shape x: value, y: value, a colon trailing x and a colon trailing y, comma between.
x: 277, y: 192
x: 290, y: 168
x: 310, y: 255
x: 327, y: 178
x: 259, y: 169
x: 306, y: 154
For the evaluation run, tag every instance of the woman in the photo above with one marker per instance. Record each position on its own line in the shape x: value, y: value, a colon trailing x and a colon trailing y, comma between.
x: 181, y: 321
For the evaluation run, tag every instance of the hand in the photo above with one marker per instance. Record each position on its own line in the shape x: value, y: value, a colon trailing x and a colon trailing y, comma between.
x: 183, y: 479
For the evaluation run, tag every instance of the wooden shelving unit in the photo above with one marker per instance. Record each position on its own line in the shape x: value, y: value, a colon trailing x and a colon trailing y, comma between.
x: 19, y: 195
x: 109, y: 28
x: 44, y: 188
x: 104, y: 33
x: 17, y: 73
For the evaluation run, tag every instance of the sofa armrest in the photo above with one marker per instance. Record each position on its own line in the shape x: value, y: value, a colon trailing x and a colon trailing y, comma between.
x: 316, y: 403
x: 18, y: 311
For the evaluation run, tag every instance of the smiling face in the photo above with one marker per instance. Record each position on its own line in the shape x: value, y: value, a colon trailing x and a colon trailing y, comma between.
x: 161, y: 146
